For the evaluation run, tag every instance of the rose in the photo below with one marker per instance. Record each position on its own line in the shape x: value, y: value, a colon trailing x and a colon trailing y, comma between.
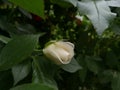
x: 59, y: 51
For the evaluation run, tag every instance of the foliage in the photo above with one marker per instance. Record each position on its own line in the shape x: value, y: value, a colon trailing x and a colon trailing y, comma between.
x: 92, y: 25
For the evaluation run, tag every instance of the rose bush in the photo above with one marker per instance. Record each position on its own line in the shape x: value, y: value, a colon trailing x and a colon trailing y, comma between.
x: 25, y: 27
x: 60, y: 52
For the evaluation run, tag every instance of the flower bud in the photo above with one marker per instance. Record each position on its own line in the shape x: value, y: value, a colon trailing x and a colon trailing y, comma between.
x: 60, y: 52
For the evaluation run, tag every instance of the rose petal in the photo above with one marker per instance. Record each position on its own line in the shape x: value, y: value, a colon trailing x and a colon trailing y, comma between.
x: 63, y: 54
x: 51, y: 54
x: 60, y: 52
x: 69, y: 47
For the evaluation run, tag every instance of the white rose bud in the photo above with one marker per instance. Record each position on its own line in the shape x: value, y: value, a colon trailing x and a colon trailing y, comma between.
x: 60, y: 52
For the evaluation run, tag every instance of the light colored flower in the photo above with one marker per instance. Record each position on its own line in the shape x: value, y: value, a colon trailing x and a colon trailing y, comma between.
x: 60, y: 52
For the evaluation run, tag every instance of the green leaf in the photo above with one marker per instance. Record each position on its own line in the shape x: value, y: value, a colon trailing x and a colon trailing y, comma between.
x: 17, y: 50
x: 4, y: 39
x: 98, y: 12
x: 48, y: 68
x: 26, y: 13
x: 3, y: 23
x: 83, y: 71
x: 115, y: 26
x: 83, y: 74
x: 112, y: 60
x: 1, y: 46
x: 44, y: 71
x: 92, y: 64
x: 105, y: 76
x: 116, y: 81
x: 32, y: 87
x: 36, y: 6
x: 20, y: 71
x: 72, y: 67
x: 25, y: 28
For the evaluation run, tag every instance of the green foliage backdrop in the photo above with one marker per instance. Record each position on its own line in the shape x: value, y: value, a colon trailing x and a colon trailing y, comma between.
x: 92, y: 25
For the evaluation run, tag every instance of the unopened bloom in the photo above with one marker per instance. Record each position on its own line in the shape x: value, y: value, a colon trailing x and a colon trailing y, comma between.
x: 60, y: 52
